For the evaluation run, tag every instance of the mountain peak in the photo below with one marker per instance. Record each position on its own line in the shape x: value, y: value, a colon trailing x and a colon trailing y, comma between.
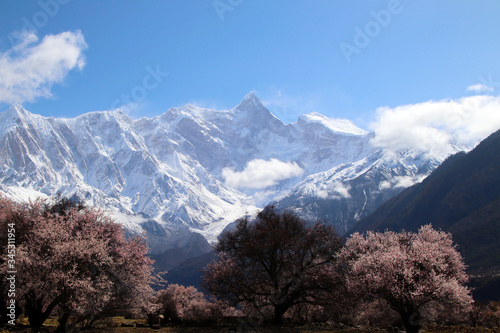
x: 256, y: 112
x: 251, y: 95
x: 250, y: 101
x: 14, y: 114
x: 15, y: 111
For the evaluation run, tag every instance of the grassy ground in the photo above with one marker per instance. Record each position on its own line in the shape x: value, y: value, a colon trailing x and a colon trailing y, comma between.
x: 258, y: 330
x: 122, y: 325
x: 200, y: 330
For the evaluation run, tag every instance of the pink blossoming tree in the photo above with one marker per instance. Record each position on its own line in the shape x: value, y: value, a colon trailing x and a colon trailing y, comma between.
x: 76, y: 259
x: 415, y: 273
x: 180, y: 302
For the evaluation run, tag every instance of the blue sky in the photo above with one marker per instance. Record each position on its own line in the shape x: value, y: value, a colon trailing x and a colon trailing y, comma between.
x: 344, y: 59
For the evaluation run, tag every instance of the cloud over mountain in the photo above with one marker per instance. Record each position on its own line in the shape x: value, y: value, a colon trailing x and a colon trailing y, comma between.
x: 261, y: 173
x: 435, y: 127
x: 29, y: 69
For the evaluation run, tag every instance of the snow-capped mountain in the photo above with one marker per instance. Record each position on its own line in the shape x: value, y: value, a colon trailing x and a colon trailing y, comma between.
x: 196, y: 170
x: 348, y: 192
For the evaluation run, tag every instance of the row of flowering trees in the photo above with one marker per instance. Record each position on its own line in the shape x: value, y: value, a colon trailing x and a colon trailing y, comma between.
x: 77, y: 263
x: 277, y: 265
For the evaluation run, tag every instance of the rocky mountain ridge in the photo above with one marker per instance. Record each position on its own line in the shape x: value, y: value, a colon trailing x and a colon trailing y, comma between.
x: 194, y: 169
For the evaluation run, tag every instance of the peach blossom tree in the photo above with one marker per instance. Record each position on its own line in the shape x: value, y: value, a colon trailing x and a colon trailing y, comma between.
x: 182, y: 302
x: 76, y: 259
x: 415, y: 273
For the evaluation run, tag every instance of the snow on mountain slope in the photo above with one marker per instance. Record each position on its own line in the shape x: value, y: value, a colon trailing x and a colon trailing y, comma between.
x: 102, y: 158
x: 348, y: 192
x: 336, y: 125
x: 194, y: 169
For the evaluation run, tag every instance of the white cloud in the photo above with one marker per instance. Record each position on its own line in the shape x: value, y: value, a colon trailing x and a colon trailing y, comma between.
x: 29, y: 69
x: 335, y: 190
x: 263, y: 197
x: 480, y: 87
x: 322, y: 193
x: 261, y: 174
x: 401, y: 182
x: 434, y: 127
x: 341, y: 190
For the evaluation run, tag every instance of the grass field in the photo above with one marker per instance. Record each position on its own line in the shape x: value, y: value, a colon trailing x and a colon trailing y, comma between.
x: 123, y: 325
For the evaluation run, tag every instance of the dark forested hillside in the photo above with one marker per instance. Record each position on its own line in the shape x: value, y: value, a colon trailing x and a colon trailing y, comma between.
x: 462, y: 196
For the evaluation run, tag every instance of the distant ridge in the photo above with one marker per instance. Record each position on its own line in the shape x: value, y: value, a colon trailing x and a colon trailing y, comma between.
x: 462, y: 196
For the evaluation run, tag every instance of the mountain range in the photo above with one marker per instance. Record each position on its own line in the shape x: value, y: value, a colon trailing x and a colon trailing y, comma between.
x: 183, y: 176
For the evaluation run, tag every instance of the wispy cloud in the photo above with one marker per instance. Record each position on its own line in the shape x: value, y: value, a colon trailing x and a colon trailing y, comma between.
x: 132, y: 109
x: 288, y: 107
x: 401, y: 182
x: 260, y: 174
x: 434, y: 127
x: 480, y: 88
x: 335, y: 190
x: 29, y: 69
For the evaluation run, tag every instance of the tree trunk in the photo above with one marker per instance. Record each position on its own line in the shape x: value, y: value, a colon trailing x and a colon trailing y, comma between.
x: 411, y: 321
x: 35, y: 316
x: 35, y: 313
x: 279, y: 312
x: 3, y: 312
x: 63, y: 322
